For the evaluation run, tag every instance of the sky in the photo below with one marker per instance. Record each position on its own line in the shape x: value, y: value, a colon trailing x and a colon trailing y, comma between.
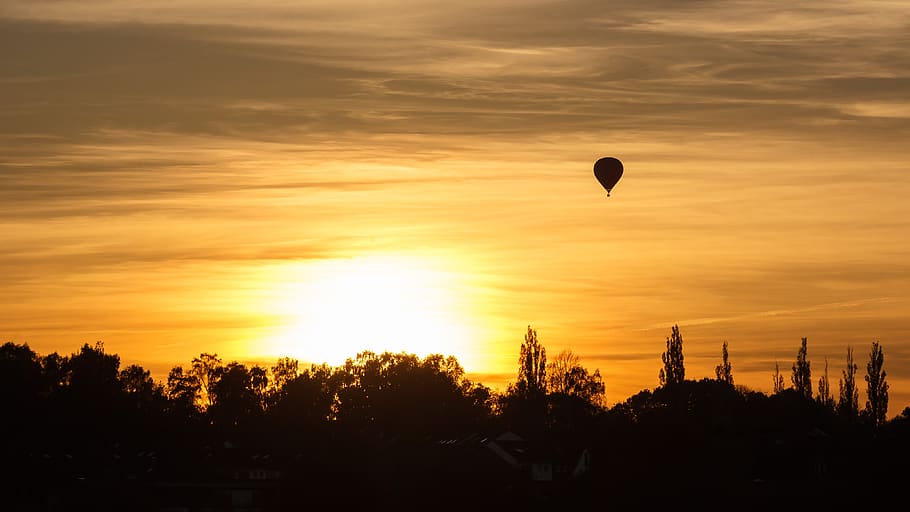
x: 313, y: 179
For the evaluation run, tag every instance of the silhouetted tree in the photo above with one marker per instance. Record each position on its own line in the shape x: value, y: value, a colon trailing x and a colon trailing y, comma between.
x: 824, y: 390
x: 401, y: 394
x: 139, y: 386
x: 802, y: 375
x: 182, y: 391
x: 673, y: 371
x: 233, y: 395
x: 566, y: 375
x: 777, y: 380
x: 461, y: 403
x: 55, y: 369
x: 848, y: 399
x: 309, y: 399
x: 284, y: 371
x: 21, y: 387
x: 558, y: 370
x: 532, y: 365
x: 206, y: 369
x: 360, y: 381
x: 20, y: 371
x: 724, y: 370
x: 523, y: 406
x: 481, y: 400
x: 876, y: 387
x: 94, y: 374
x: 92, y: 402
x: 259, y: 382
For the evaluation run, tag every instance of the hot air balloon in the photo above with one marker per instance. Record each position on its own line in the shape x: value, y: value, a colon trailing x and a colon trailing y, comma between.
x: 608, y: 170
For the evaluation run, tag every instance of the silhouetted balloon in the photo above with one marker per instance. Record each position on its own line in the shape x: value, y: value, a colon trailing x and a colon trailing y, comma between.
x: 608, y: 170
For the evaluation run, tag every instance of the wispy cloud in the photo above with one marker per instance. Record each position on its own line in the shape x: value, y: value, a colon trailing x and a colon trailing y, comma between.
x: 768, y: 314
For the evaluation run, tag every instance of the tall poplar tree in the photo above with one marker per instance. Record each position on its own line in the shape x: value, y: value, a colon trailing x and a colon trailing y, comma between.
x: 876, y: 387
x: 673, y: 371
x: 532, y: 365
x: 724, y: 370
x: 777, y: 380
x: 802, y: 375
x: 848, y: 399
x: 824, y: 390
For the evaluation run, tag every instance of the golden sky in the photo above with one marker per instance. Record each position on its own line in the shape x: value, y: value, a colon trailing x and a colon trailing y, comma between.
x: 272, y: 178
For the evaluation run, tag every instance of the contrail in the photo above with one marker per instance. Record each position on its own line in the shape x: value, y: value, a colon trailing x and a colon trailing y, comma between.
x: 772, y: 312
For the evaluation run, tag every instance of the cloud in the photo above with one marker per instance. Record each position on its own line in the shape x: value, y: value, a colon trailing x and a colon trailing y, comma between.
x: 900, y: 110
x: 770, y: 313
x: 514, y: 70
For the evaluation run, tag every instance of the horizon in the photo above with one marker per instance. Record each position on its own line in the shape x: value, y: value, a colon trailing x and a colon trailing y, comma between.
x: 500, y: 382
x: 311, y: 181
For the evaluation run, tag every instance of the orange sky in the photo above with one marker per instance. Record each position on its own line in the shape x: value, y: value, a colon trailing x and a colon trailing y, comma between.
x: 232, y: 177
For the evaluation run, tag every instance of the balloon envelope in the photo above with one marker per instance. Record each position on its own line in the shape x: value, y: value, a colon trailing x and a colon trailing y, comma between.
x: 608, y: 170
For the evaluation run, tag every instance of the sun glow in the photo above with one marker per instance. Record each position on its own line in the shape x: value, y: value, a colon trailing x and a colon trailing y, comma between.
x: 335, y: 309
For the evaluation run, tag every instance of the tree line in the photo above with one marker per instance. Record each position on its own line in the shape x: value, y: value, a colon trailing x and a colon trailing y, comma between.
x: 84, y: 416
x: 847, y: 402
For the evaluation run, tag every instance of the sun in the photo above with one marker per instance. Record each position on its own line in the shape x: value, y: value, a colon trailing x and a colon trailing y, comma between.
x: 335, y: 309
